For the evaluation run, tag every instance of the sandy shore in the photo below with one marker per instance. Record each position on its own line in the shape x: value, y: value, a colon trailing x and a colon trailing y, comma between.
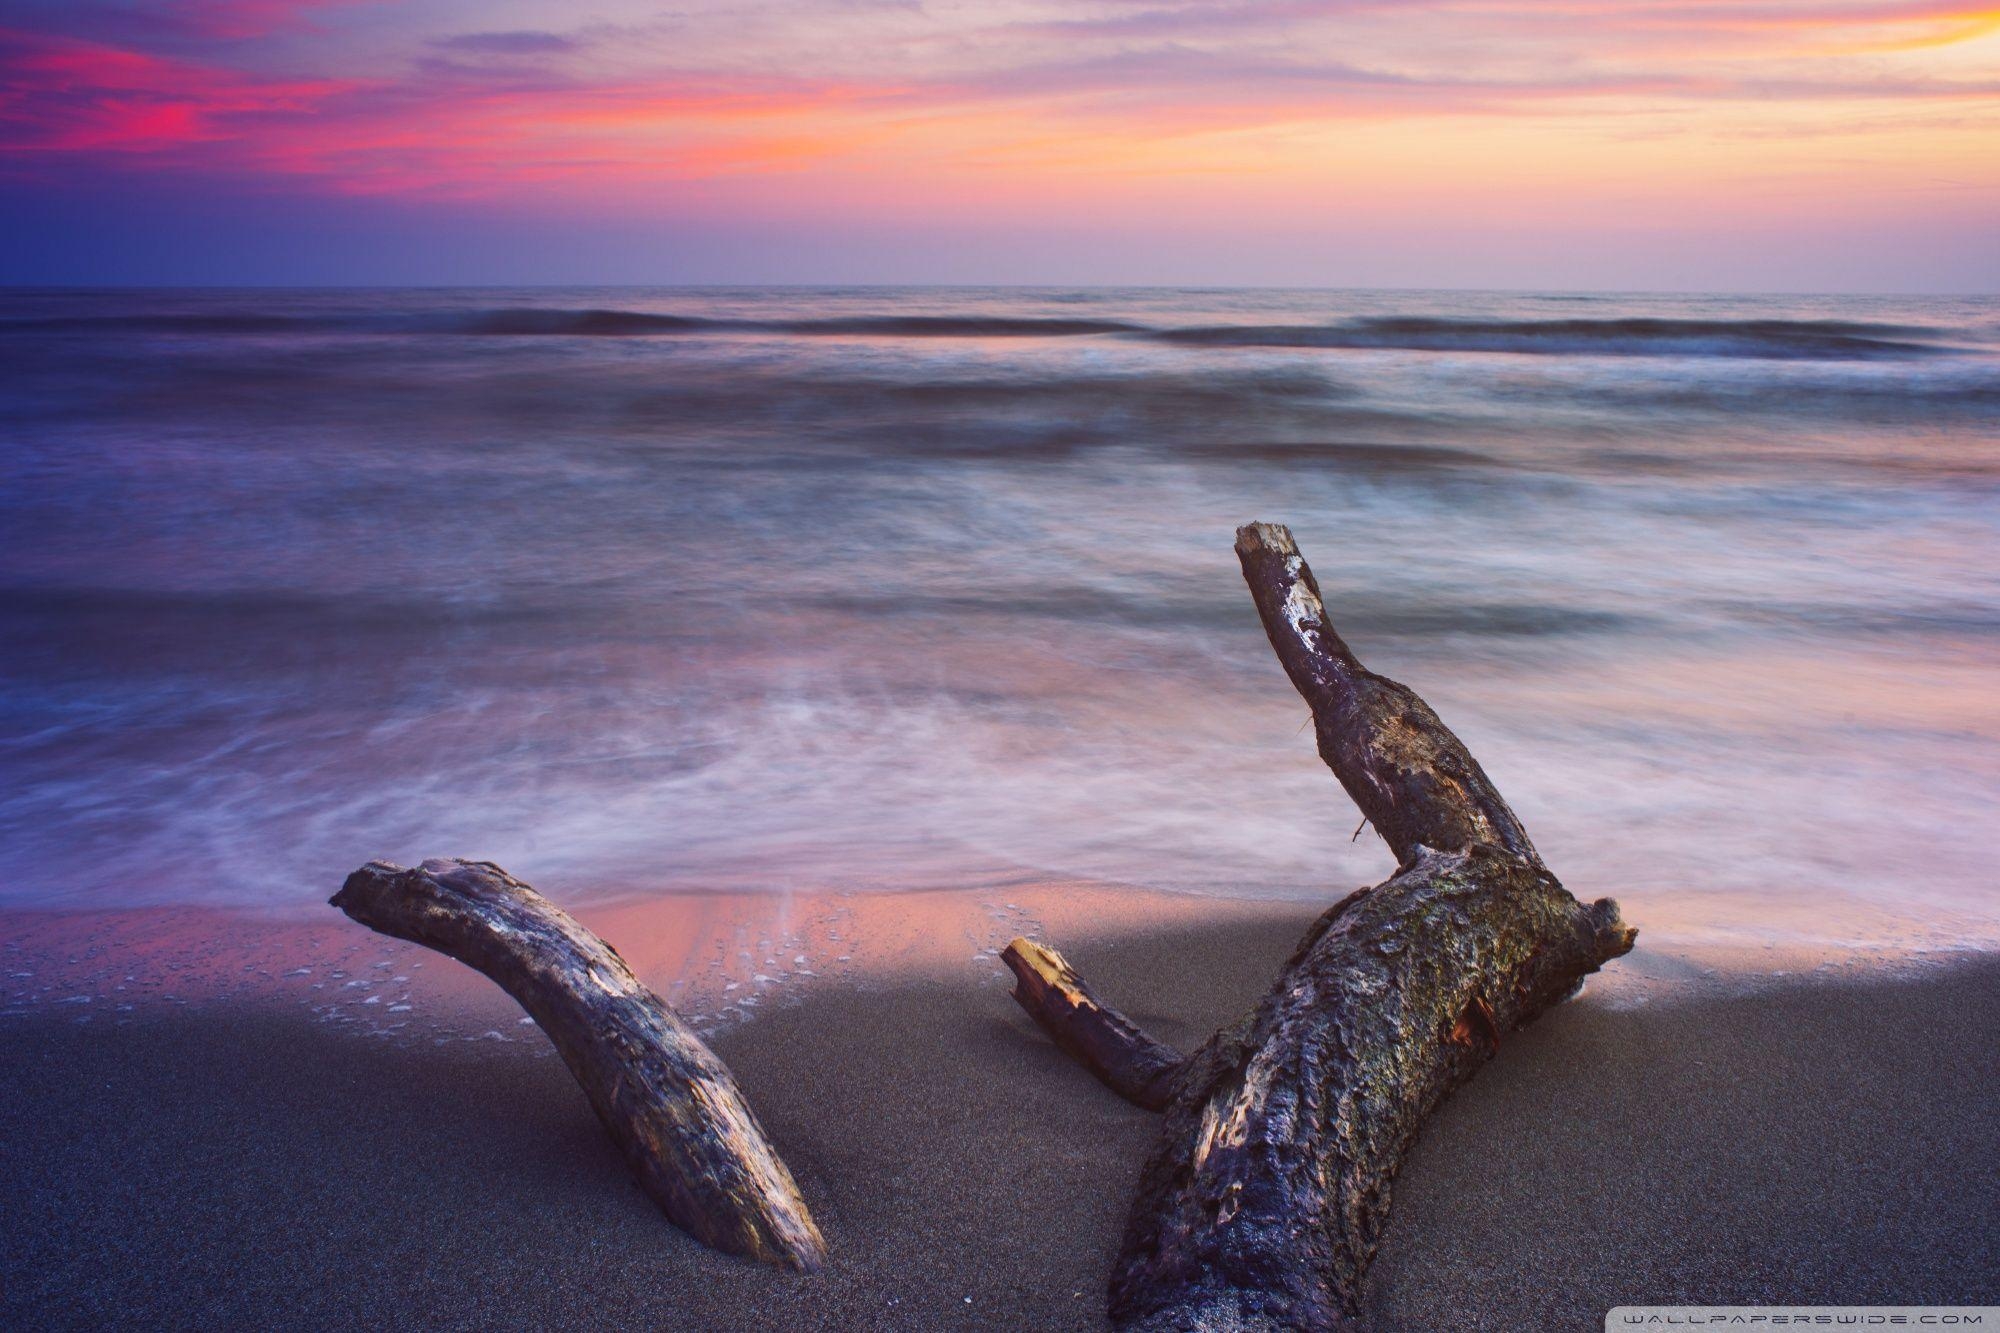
x: 247, y: 1164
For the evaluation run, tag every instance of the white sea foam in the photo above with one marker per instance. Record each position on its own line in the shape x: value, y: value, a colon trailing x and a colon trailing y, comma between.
x: 847, y: 590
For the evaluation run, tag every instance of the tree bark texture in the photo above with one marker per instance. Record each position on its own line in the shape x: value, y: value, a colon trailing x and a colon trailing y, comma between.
x: 1263, y: 1202
x: 668, y: 1103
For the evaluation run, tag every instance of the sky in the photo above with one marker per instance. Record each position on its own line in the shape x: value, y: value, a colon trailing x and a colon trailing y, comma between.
x: 1721, y: 145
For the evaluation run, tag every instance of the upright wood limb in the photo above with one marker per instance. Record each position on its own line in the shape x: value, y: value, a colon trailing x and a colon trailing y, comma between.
x: 667, y: 1102
x: 1413, y: 779
x: 1262, y: 1203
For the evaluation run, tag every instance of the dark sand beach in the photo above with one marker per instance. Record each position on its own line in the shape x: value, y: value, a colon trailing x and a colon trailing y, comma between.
x: 240, y: 1165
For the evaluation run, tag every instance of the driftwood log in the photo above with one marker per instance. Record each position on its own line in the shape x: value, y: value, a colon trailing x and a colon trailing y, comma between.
x: 1261, y: 1206
x: 669, y: 1104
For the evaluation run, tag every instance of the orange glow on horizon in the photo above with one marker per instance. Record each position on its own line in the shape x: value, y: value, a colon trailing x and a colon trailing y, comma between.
x: 1601, y: 113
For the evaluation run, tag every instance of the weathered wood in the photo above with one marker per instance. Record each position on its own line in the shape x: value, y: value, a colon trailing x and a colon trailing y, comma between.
x: 668, y: 1103
x: 1102, y: 1040
x: 1266, y: 1195
x: 1412, y: 778
x: 1262, y: 1204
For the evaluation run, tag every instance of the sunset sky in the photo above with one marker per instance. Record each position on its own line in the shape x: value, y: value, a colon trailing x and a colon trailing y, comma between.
x: 1699, y: 144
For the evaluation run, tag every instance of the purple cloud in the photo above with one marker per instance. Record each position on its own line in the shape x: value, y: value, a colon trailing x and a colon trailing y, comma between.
x: 525, y: 43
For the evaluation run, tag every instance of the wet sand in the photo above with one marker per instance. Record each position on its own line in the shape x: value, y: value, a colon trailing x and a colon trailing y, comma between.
x: 1828, y: 1142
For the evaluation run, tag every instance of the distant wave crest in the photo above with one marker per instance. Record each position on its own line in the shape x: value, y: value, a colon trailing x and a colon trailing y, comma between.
x: 1754, y: 338
x: 1776, y: 339
x: 617, y: 323
x: 536, y: 321
x: 531, y: 322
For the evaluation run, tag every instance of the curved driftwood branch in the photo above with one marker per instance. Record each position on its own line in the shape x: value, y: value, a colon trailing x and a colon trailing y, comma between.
x: 1099, y: 1038
x: 670, y: 1105
x: 1262, y: 1203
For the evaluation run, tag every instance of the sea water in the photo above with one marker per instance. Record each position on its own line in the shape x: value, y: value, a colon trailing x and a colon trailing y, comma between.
x: 649, y: 590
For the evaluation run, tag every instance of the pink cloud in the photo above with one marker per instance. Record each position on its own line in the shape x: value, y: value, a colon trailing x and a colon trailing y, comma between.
x: 61, y: 95
x: 485, y: 113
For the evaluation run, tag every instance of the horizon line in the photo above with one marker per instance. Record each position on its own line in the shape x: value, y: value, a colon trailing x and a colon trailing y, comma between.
x: 58, y: 288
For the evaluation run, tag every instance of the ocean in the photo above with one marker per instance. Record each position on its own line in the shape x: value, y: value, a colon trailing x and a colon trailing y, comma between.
x: 643, y: 591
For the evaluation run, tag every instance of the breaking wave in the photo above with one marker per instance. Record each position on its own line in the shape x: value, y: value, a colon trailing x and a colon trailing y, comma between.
x: 1785, y: 339
x: 1777, y: 339
x: 533, y: 321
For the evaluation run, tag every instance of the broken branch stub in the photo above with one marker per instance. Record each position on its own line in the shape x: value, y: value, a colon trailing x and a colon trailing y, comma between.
x: 1102, y: 1040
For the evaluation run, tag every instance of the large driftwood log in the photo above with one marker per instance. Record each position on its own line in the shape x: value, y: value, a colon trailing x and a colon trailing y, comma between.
x: 670, y: 1105
x: 1264, y: 1199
